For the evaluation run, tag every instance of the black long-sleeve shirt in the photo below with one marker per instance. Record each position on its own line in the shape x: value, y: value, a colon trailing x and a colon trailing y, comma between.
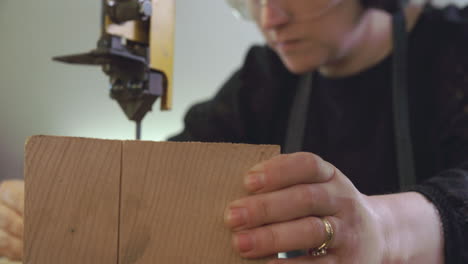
x: 350, y: 119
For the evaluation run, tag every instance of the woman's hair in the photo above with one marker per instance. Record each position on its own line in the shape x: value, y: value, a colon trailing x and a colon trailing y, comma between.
x: 388, y: 5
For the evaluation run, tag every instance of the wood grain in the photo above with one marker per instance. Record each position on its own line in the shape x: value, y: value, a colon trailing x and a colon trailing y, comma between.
x: 132, y: 202
x: 173, y: 200
x: 72, y: 200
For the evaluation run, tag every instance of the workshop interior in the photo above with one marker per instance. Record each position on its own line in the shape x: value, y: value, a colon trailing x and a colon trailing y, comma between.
x: 41, y: 95
x: 92, y: 90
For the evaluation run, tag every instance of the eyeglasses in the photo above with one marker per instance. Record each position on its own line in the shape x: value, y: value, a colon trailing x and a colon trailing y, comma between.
x: 241, y: 8
x: 250, y: 9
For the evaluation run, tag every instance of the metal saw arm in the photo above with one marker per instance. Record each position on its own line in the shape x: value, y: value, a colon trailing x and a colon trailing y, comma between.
x: 136, y: 51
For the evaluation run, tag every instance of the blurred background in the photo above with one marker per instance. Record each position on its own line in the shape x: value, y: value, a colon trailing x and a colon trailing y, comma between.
x: 39, y: 96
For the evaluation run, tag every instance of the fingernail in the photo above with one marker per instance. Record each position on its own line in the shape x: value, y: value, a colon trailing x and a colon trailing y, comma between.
x: 236, y: 217
x: 255, y: 182
x: 257, y: 168
x: 255, y: 179
x: 243, y: 242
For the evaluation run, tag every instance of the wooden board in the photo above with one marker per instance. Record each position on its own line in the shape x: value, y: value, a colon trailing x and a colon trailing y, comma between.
x: 108, y: 202
x: 71, y: 200
x: 174, y: 196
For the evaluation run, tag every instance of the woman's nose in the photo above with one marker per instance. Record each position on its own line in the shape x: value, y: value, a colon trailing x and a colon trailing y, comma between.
x: 273, y: 15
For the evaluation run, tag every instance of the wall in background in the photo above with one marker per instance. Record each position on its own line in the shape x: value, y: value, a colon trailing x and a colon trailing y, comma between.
x: 39, y: 96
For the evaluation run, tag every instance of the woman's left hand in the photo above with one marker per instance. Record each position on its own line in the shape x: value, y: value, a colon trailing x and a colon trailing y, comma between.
x: 291, y: 193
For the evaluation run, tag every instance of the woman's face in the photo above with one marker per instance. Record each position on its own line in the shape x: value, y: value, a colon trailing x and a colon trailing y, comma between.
x: 307, y: 34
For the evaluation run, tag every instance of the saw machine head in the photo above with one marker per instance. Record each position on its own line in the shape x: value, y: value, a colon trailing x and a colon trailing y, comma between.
x: 135, y: 50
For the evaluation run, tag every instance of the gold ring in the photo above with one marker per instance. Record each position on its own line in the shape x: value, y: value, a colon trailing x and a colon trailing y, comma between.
x: 322, y: 249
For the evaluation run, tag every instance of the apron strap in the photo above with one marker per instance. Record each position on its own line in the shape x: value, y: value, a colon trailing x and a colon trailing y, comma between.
x: 401, y: 120
x: 298, y: 115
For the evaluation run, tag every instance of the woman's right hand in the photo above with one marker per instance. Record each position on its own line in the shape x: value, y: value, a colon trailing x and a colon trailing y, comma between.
x: 11, y: 219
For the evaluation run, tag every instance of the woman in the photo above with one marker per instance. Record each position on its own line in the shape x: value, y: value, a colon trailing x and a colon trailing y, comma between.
x: 334, y: 203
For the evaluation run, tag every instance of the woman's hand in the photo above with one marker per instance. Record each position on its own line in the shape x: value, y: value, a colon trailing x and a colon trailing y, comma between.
x: 290, y: 195
x: 11, y: 219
